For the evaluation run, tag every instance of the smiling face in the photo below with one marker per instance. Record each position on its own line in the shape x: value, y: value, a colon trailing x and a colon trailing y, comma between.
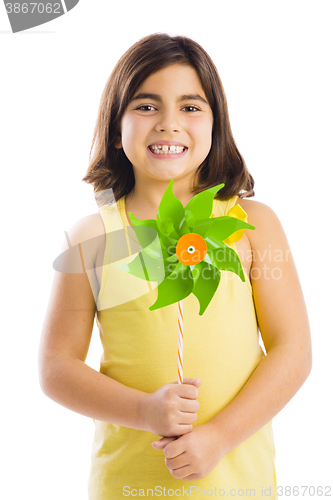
x: 177, y: 113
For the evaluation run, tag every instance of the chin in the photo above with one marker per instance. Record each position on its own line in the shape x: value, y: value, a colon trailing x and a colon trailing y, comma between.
x: 169, y: 174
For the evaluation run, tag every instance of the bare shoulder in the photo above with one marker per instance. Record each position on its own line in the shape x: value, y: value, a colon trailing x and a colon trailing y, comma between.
x: 269, y: 229
x: 70, y: 314
x: 84, y: 240
x: 86, y: 228
x: 278, y: 298
x: 260, y: 211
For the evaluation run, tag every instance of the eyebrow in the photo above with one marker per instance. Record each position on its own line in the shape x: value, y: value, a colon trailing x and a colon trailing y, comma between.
x: 156, y: 97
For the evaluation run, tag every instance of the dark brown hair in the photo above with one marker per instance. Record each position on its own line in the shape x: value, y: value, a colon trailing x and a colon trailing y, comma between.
x: 110, y: 167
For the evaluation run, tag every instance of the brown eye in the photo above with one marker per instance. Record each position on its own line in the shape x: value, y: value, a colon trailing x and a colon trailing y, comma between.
x: 192, y: 107
x: 145, y: 106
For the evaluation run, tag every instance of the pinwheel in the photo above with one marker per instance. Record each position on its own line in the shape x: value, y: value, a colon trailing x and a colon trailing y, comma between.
x: 186, y: 251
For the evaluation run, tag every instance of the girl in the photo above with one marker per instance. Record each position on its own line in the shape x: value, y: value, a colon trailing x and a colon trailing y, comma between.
x: 153, y: 437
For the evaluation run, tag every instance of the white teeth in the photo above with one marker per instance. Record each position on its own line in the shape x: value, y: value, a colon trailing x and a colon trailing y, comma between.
x: 164, y: 149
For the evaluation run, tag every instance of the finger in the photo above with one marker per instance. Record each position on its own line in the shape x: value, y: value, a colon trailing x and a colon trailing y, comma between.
x: 189, y: 381
x: 177, y: 462
x: 182, y: 472
x: 189, y: 405
x: 193, y: 381
x: 161, y: 443
x: 183, y: 429
x: 174, y: 449
x: 192, y: 477
x: 187, y: 418
x: 187, y: 391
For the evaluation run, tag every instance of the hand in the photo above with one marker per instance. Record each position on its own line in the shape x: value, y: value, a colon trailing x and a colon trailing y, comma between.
x: 171, y: 410
x: 193, y: 455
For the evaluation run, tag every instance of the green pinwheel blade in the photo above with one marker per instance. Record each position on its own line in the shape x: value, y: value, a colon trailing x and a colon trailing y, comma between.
x: 170, y: 213
x: 206, y: 279
x: 213, y: 243
x: 158, y: 260
x: 223, y: 227
x: 172, y: 258
x: 170, y: 230
x: 145, y: 230
x: 177, y: 286
x: 226, y: 259
x: 201, y: 226
x: 154, y: 249
x: 170, y: 264
x: 182, y: 227
x: 148, y: 264
x: 139, y: 222
x: 201, y: 205
x: 167, y: 242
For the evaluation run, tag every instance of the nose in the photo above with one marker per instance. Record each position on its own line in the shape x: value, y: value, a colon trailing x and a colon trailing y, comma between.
x: 168, y: 121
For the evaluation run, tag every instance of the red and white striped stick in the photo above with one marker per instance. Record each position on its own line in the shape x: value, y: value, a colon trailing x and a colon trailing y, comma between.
x: 180, y: 342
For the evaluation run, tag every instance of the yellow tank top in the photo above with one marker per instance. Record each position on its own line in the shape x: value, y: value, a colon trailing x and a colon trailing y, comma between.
x: 140, y: 350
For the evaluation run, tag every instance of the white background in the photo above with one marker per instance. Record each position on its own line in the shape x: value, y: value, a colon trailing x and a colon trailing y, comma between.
x: 274, y: 59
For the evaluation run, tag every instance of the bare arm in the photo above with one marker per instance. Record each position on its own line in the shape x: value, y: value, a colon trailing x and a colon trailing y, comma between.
x: 285, y: 330
x: 65, y: 377
x: 284, y: 327
x: 66, y: 335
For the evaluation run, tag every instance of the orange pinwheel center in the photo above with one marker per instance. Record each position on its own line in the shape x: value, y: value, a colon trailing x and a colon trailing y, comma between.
x: 191, y: 249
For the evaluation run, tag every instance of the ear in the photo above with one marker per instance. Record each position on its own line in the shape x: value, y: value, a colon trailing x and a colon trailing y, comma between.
x: 118, y: 143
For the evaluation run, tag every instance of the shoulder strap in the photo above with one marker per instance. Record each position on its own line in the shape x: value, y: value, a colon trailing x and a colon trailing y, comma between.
x: 221, y: 207
x: 237, y: 212
x: 231, y: 202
